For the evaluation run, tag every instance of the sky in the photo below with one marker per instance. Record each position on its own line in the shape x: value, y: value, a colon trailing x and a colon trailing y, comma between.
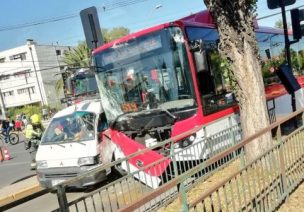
x: 58, y: 22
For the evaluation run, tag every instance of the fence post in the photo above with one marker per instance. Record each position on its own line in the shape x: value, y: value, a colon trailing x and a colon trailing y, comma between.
x: 173, y: 159
x: 232, y: 135
x: 281, y: 159
x: 180, y: 187
x: 242, y: 158
x: 183, y: 197
x: 62, y: 199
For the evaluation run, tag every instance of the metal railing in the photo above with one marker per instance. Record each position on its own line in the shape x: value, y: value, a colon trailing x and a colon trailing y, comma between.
x: 261, y: 185
x: 130, y: 188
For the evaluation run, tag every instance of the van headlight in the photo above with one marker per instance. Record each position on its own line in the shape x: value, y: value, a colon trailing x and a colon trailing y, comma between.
x: 88, y: 160
x: 41, y: 164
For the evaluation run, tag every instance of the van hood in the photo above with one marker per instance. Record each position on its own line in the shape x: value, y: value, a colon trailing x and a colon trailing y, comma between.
x: 66, y: 153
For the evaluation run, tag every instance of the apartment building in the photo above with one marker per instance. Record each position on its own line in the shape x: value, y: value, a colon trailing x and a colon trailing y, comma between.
x: 28, y: 75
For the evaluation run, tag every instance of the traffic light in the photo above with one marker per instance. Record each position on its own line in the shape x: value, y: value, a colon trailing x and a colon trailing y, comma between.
x: 274, y: 4
x: 297, y: 20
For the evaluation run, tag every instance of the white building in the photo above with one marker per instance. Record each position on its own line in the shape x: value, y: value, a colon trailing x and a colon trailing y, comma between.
x: 28, y: 75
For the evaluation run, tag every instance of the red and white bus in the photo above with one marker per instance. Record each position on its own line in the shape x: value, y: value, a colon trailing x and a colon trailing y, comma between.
x: 160, y: 82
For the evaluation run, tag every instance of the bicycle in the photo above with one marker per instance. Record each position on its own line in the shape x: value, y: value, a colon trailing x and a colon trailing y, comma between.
x: 13, y: 138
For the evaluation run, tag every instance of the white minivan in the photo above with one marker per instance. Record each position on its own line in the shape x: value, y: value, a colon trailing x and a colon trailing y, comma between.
x: 70, y: 145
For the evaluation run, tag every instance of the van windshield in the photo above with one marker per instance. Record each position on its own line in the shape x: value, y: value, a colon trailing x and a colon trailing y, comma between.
x: 78, y: 126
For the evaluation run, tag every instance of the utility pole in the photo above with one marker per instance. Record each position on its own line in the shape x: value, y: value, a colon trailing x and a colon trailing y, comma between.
x: 35, y: 70
x: 287, y: 50
x: 2, y: 105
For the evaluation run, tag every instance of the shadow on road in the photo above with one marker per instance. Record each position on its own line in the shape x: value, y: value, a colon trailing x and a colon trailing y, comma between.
x: 24, y: 178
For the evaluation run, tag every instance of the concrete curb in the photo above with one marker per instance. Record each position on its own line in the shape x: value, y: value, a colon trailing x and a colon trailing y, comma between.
x: 19, y: 195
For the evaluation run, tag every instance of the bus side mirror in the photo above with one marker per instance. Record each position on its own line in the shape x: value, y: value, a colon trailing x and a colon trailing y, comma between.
x: 287, y: 78
x: 200, y: 61
x: 199, y: 54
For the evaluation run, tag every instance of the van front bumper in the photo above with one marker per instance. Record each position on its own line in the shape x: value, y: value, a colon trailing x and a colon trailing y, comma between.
x: 50, y: 177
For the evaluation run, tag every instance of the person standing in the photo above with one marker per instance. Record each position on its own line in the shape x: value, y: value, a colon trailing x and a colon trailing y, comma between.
x: 33, y: 134
x: 45, y: 113
x: 24, y: 121
x: 6, y: 129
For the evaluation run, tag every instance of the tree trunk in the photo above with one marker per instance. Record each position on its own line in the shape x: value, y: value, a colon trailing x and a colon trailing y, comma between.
x: 234, y: 20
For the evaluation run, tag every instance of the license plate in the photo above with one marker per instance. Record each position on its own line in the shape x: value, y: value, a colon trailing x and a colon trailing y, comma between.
x: 56, y: 182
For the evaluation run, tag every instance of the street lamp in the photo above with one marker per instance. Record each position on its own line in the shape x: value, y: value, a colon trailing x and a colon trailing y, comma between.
x: 155, y: 8
x: 35, y: 70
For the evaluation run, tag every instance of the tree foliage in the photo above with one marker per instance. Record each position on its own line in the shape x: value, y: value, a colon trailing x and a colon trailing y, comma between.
x: 278, y: 24
x: 115, y: 33
x: 78, y: 57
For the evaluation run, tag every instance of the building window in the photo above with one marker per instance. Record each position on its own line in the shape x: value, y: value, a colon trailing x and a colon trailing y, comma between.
x: 22, y: 91
x: 8, y: 93
x: 22, y: 74
x: 2, y: 60
x: 58, y: 52
x: 21, y: 56
x: 4, y: 77
x: 28, y: 74
x: 32, y: 90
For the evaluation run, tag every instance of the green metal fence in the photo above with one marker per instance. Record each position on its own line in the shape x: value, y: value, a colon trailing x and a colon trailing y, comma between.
x: 130, y: 188
x: 261, y: 185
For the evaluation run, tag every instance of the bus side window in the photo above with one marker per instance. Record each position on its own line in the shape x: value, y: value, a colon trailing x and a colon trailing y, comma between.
x: 213, y: 87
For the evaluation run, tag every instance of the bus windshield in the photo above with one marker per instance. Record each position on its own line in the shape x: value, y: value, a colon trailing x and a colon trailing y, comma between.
x: 145, y: 73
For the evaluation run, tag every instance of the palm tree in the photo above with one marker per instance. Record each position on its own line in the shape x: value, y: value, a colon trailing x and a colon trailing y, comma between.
x: 79, y: 57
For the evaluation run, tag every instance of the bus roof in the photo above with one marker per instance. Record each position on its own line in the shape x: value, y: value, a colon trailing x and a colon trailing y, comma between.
x: 202, y: 19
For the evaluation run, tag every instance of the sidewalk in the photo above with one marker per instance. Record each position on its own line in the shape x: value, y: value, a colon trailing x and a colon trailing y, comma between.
x: 19, y: 190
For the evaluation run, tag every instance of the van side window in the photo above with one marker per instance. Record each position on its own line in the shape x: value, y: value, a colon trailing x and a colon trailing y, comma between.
x: 102, y: 123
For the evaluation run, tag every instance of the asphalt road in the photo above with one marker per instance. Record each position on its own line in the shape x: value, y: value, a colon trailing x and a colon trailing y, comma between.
x: 18, y: 167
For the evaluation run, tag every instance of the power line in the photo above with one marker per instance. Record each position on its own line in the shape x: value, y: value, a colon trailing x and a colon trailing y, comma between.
x: 104, y: 8
x: 278, y: 13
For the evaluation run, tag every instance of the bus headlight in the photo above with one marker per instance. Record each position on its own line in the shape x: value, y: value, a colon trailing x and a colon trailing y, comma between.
x: 88, y: 160
x: 41, y: 164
